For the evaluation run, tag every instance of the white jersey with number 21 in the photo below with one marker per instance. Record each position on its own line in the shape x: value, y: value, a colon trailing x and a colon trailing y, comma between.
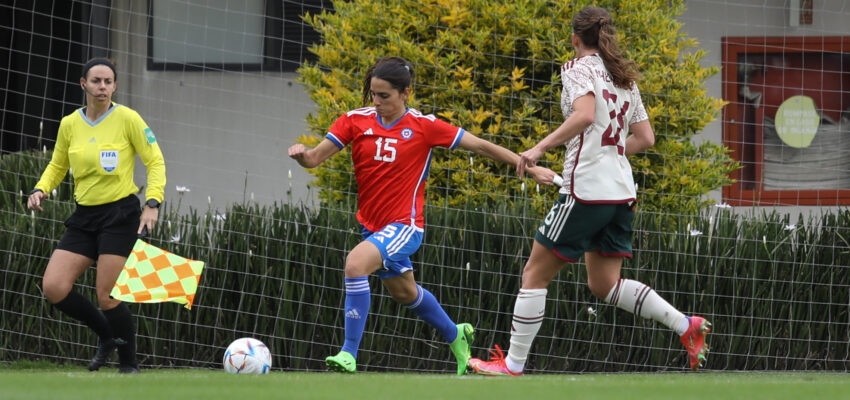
x: 596, y: 169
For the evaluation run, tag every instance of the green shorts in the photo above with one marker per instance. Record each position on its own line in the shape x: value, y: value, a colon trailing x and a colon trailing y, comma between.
x: 571, y: 228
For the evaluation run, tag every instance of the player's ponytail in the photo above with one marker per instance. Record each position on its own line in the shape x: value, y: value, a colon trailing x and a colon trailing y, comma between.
x: 593, y: 25
x: 395, y: 70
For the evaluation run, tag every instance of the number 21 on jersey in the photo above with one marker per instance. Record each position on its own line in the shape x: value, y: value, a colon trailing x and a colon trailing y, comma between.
x: 385, y: 150
x: 611, y: 136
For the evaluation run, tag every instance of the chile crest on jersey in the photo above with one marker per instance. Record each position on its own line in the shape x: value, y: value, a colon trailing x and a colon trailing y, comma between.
x: 406, y: 133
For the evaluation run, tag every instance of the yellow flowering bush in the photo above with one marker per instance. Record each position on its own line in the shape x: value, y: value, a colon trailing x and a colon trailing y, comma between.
x: 493, y: 68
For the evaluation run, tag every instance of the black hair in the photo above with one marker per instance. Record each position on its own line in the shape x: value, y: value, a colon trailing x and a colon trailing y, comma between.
x: 395, y: 70
x: 99, y: 61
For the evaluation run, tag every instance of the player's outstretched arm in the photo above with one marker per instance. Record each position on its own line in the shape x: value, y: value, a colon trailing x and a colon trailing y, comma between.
x: 487, y: 149
x: 543, y: 176
x: 309, y: 158
x: 584, y: 110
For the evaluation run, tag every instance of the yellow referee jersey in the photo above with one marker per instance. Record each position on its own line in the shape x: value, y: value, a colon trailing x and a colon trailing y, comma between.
x: 102, y: 155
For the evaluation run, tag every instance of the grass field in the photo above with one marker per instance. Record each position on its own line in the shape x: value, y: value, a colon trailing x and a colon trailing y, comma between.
x: 59, y: 383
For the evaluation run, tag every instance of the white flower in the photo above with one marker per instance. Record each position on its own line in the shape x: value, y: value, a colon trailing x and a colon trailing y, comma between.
x: 182, y: 189
x: 591, y: 311
x: 250, y: 253
x: 537, y: 187
x: 467, y: 266
x: 522, y: 187
x: 790, y: 227
x: 722, y: 205
x: 290, y: 174
x: 764, y: 240
x: 175, y: 238
x: 252, y: 196
x: 221, y: 217
x: 44, y: 150
x: 694, y: 232
x: 209, y: 200
x: 53, y: 192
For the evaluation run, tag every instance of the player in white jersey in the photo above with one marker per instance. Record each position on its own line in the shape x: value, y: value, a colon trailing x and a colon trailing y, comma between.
x: 594, y: 212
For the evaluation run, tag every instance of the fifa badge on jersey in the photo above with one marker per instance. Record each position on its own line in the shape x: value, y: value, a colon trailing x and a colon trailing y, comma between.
x: 406, y: 133
x: 150, y: 136
x: 109, y: 160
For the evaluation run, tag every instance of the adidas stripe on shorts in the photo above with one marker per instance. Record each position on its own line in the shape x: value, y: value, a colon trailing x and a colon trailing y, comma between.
x: 396, y: 242
x: 571, y: 228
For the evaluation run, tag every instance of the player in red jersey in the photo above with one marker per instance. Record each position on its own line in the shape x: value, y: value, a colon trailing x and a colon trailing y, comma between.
x: 391, y: 147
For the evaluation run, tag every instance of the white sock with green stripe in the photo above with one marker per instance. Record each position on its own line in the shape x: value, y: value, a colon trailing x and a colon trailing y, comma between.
x: 528, y: 316
x: 639, y: 299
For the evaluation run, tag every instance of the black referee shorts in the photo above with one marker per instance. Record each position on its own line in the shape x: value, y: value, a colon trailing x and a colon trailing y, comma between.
x: 103, y: 229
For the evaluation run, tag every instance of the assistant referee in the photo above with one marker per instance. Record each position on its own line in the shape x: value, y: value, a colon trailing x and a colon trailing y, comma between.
x: 99, y: 143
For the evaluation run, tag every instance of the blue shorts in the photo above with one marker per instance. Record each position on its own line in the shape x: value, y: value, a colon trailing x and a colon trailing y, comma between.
x: 396, y: 242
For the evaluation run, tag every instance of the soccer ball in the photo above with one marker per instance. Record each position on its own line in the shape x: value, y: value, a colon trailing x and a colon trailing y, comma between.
x: 247, y: 356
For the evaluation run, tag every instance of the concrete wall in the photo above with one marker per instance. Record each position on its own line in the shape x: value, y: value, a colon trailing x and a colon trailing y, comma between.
x: 216, y: 129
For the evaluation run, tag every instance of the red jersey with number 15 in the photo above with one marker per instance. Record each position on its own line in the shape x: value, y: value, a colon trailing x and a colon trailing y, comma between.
x: 391, y: 162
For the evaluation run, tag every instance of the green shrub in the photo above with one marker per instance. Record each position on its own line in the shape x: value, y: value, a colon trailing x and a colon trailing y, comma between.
x: 492, y: 67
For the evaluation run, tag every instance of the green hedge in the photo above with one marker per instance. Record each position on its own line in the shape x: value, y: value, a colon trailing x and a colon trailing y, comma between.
x: 778, y: 298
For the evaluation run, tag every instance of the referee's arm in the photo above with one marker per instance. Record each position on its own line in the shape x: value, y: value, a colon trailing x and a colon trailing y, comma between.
x: 151, y: 156
x: 59, y: 164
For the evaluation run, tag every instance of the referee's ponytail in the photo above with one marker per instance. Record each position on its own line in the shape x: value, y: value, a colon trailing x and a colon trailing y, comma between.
x: 395, y: 70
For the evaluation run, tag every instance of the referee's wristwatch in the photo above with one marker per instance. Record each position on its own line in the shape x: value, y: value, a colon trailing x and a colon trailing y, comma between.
x: 152, y: 203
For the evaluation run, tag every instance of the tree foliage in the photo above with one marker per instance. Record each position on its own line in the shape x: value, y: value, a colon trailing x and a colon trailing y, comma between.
x: 493, y: 68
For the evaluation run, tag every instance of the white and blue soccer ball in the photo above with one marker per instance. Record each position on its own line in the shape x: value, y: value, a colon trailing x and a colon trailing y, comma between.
x: 247, y: 356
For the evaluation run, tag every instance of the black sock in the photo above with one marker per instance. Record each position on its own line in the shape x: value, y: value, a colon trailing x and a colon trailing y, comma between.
x: 124, y: 331
x: 78, y: 307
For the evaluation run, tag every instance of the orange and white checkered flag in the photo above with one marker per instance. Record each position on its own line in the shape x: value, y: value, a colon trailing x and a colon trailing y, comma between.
x: 153, y: 275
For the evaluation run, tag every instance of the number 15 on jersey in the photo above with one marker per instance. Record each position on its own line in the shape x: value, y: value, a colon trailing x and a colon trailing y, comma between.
x: 385, y: 149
